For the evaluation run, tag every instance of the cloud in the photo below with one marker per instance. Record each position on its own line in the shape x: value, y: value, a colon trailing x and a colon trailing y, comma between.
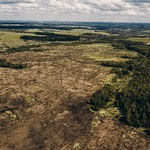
x: 138, y: 1
x: 109, y: 5
x: 90, y: 9
x: 66, y: 6
x: 16, y: 1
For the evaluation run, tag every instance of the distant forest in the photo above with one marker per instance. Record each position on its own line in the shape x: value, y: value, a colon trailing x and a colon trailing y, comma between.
x: 72, y: 25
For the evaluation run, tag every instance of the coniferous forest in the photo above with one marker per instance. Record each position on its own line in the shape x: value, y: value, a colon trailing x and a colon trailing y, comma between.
x: 133, y: 100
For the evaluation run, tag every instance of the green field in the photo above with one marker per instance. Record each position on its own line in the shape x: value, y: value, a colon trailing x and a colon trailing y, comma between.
x: 12, y: 39
x: 105, y: 52
x: 144, y: 39
x: 78, y: 32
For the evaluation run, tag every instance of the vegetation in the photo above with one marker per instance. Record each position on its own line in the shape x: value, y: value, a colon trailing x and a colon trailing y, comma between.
x: 134, y: 99
x: 78, y: 32
x: 9, y: 39
x: 140, y: 39
x: 4, y: 63
x: 21, y: 49
x: 50, y: 37
x: 124, y: 49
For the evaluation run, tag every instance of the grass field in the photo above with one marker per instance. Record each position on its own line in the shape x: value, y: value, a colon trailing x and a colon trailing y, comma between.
x: 144, y: 39
x: 78, y: 32
x: 105, y: 52
x: 12, y: 39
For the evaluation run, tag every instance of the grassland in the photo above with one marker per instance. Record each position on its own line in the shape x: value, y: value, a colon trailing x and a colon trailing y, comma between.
x: 144, y: 39
x: 78, y: 32
x: 9, y: 39
x: 105, y: 52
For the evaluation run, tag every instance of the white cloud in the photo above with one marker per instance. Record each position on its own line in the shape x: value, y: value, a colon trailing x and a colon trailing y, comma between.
x: 16, y: 1
x: 138, y: 1
x: 83, y: 9
x: 27, y: 5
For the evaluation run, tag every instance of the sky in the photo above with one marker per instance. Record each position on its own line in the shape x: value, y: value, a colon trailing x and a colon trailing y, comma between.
x: 76, y: 10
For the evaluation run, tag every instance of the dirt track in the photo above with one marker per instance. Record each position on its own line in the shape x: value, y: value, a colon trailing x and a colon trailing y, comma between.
x: 43, y: 106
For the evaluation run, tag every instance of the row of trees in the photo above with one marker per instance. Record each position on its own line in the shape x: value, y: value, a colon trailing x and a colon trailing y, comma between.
x: 50, y: 37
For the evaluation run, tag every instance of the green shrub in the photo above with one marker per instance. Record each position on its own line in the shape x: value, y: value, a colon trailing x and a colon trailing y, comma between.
x: 4, y: 63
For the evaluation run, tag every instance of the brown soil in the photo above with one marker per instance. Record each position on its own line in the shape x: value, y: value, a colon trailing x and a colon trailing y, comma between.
x: 43, y: 107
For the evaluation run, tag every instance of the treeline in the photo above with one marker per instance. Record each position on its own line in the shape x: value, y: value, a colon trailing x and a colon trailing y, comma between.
x: 101, y: 97
x: 4, y: 63
x: 119, y: 42
x: 139, y: 47
x: 96, y: 38
x: 134, y: 100
x: 22, y: 49
x: 72, y: 25
x: 33, y: 26
x: 50, y: 37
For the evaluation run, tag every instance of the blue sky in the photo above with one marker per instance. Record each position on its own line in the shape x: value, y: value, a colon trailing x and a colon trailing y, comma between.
x: 76, y: 10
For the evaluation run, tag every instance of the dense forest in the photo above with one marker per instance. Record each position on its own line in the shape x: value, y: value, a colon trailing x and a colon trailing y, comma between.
x: 133, y: 100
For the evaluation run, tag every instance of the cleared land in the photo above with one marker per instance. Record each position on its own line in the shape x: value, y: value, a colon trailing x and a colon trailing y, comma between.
x: 44, y: 105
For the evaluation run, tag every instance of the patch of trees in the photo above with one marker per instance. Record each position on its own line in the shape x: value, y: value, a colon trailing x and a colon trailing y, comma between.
x: 50, y: 37
x: 119, y: 42
x: 33, y: 26
x: 96, y: 38
x: 4, y: 63
x: 139, y: 47
x: 116, y: 64
x: 134, y: 100
x: 22, y: 49
x: 101, y: 97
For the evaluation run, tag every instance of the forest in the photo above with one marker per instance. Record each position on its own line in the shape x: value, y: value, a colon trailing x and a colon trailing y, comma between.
x: 133, y: 100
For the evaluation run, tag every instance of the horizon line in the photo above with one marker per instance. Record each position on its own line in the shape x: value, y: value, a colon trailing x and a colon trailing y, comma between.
x: 72, y: 21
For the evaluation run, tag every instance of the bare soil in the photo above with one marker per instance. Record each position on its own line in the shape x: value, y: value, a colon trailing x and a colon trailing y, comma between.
x: 43, y: 107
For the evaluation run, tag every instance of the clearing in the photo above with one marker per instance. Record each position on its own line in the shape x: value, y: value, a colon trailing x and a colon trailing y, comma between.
x: 43, y: 107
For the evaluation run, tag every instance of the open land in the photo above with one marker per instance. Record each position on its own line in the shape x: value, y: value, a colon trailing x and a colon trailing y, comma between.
x: 43, y: 106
